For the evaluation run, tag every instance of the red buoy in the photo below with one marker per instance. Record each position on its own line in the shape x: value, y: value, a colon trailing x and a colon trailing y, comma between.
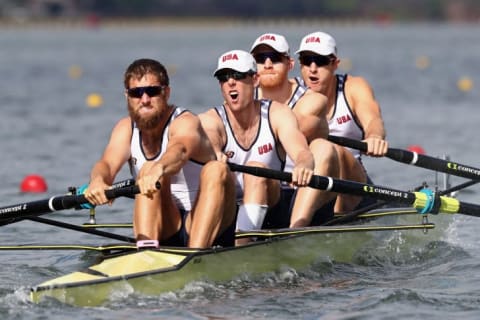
x: 416, y: 148
x: 33, y: 183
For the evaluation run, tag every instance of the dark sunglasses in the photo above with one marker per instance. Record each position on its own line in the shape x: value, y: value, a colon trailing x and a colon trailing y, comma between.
x: 151, y: 91
x: 237, y: 75
x: 319, y: 60
x: 275, y: 57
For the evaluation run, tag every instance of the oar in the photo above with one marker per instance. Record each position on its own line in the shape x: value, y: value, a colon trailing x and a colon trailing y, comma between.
x: 415, y: 159
x: 36, y: 208
x: 72, y: 190
x: 83, y: 229
x: 354, y: 214
x: 424, y: 201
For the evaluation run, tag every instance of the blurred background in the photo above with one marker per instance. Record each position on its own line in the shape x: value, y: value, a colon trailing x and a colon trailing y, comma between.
x: 94, y: 11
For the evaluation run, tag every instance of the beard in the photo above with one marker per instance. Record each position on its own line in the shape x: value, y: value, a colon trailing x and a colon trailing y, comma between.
x: 270, y: 80
x: 145, y: 123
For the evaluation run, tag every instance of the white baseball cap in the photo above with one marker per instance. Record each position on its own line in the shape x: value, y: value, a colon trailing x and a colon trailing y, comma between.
x: 319, y: 42
x: 237, y: 60
x: 275, y: 41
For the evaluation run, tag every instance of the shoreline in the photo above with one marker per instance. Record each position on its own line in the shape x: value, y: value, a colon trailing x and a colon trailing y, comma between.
x: 207, y: 22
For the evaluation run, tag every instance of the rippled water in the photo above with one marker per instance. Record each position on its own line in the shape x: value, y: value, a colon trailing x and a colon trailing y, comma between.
x: 47, y: 129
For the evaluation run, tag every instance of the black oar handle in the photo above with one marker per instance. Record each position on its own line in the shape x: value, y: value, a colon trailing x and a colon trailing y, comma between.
x: 55, y: 203
x: 350, y: 143
x: 72, y: 201
x: 317, y: 182
x: 395, y: 154
x: 262, y: 172
x: 424, y: 201
x: 415, y: 159
x: 332, y: 184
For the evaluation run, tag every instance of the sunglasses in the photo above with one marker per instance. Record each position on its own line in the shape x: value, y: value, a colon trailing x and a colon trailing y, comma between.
x: 237, y: 75
x: 319, y: 60
x: 275, y: 57
x: 151, y: 91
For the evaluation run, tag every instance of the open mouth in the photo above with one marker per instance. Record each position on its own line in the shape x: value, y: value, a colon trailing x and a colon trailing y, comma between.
x: 233, y: 94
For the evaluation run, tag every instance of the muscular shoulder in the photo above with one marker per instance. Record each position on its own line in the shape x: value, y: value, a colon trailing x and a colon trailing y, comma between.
x: 119, y: 143
x: 312, y: 103
x: 208, y: 113
x: 360, y: 95
x: 123, y: 125
x: 187, y: 116
x: 311, y: 95
x: 356, y: 84
x: 186, y: 121
x: 210, y: 118
x: 278, y: 111
x: 276, y: 106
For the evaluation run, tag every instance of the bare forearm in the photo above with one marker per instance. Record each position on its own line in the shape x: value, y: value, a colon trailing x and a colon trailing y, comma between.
x: 375, y: 138
x: 174, y: 159
x: 305, y: 160
x: 101, y: 171
x: 375, y: 129
x: 101, y: 177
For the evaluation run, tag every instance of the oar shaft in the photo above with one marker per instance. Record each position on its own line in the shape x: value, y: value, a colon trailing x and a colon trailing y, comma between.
x: 422, y: 201
x: 469, y: 209
x: 55, y: 203
x: 458, y: 187
x: 332, y: 184
x: 415, y: 159
x: 262, y: 172
x: 83, y: 229
x: 364, y: 190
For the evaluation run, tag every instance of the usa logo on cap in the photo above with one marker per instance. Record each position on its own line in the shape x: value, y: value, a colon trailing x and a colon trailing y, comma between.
x: 237, y: 60
x: 270, y: 37
x: 230, y: 56
x: 312, y: 39
x: 276, y: 41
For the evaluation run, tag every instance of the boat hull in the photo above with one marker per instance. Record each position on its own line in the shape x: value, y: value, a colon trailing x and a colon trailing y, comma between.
x: 152, y: 272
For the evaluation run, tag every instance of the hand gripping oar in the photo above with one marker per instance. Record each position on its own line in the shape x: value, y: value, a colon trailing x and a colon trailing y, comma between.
x: 415, y: 159
x: 76, y: 191
x: 424, y: 201
x: 56, y: 203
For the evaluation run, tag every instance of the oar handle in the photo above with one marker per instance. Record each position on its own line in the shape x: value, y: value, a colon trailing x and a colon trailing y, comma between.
x: 395, y: 154
x: 72, y: 201
x: 413, y: 158
x: 317, y: 182
x: 423, y: 201
x: 350, y: 143
x: 124, y: 188
x: 262, y: 172
x: 12, y: 213
x: 331, y: 184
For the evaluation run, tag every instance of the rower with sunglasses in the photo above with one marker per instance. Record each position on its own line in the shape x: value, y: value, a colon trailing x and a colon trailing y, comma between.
x: 352, y: 110
x: 254, y: 132
x: 305, y: 206
x: 167, y: 144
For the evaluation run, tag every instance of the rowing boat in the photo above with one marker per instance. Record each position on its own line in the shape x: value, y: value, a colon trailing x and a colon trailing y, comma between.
x: 155, y: 271
x: 126, y: 269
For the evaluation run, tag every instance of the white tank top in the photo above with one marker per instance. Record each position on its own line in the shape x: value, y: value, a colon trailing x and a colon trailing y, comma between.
x: 342, y: 122
x: 264, y: 148
x: 297, y: 94
x: 184, y: 184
